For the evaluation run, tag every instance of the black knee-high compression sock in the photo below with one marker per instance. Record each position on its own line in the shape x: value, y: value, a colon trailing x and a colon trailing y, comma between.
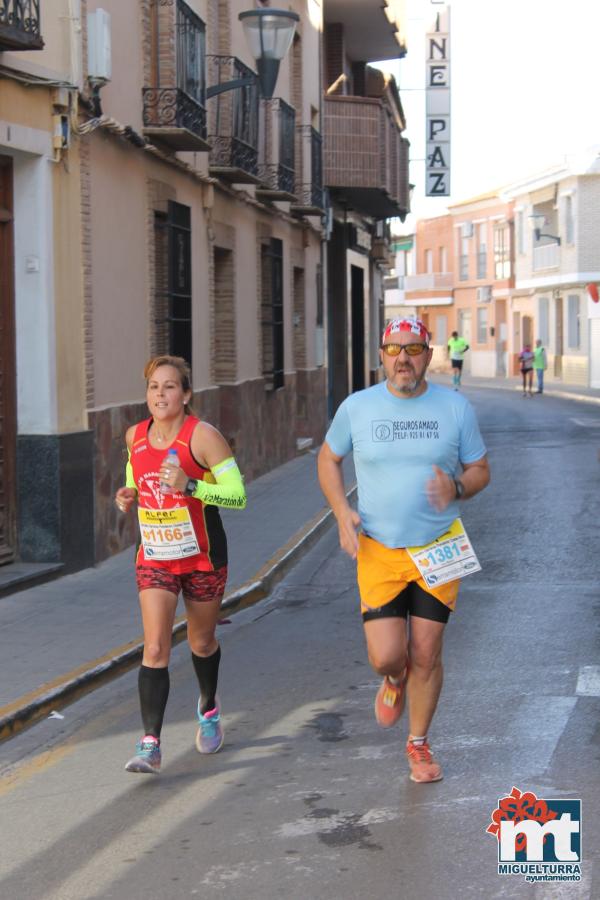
x: 153, y: 685
x: 207, y: 673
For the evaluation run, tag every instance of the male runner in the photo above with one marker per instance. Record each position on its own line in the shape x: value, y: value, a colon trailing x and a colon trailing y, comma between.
x: 457, y: 347
x: 409, y: 439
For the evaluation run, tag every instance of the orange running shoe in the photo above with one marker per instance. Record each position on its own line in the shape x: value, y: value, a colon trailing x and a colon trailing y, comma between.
x: 423, y: 767
x: 389, y: 702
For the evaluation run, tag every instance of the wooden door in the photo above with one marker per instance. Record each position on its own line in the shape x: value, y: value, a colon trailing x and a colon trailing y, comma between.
x: 8, y: 424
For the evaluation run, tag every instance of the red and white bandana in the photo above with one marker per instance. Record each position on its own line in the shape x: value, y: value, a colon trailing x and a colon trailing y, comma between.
x: 413, y: 325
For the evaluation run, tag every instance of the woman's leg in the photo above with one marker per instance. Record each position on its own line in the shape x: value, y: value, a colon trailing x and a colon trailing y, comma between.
x: 158, y: 613
x: 202, y: 618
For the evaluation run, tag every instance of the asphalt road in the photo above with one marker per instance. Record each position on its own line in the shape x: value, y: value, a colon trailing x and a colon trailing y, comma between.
x: 309, y: 799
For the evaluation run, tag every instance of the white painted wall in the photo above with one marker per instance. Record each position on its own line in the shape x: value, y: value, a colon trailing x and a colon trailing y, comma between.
x: 34, y: 291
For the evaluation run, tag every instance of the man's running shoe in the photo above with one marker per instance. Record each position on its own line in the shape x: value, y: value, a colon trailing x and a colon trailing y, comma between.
x: 423, y: 767
x: 210, y: 735
x: 389, y: 702
x: 147, y: 756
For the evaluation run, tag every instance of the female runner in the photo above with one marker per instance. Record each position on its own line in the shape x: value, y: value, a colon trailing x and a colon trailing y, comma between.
x: 182, y: 547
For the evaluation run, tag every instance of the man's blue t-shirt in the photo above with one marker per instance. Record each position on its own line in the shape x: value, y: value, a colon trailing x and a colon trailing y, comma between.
x: 396, y: 442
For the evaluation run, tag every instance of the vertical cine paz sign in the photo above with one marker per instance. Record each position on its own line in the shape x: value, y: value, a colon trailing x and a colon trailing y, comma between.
x: 437, y: 100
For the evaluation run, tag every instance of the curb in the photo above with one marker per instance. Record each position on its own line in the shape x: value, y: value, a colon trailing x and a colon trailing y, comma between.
x: 66, y: 689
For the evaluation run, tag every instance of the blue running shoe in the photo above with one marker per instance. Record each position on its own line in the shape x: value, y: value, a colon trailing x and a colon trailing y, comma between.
x: 210, y: 735
x: 147, y: 756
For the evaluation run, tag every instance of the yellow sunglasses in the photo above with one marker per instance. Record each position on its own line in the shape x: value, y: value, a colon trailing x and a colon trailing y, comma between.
x: 411, y: 349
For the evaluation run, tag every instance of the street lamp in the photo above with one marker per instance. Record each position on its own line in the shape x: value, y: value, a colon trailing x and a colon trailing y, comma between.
x: 269, y: 33
x: 537, y: 222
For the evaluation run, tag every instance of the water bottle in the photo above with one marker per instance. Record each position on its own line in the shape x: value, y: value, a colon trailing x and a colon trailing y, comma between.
x: 172, y: 461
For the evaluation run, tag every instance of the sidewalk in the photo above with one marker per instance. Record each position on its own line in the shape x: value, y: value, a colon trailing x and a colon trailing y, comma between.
x: 62, y: 638
x: 551, y: 388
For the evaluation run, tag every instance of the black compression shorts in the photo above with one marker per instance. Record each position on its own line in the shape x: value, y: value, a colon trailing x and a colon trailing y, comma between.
x: 412, y: 600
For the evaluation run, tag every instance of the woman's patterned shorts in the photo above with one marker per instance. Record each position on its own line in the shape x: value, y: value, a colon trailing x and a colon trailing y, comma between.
x: 201, y: 587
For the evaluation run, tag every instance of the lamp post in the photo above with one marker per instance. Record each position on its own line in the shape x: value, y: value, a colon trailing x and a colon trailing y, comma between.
x: 269, y: 33
x: 538, y: 220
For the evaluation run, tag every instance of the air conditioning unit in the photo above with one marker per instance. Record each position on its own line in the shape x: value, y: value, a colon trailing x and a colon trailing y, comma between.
x: 484, y: 294
x: 467, y: 229
x: 99, y: 46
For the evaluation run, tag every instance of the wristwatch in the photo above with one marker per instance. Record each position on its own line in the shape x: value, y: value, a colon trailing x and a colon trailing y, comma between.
x: 459, y: 488
x: 190, y: 487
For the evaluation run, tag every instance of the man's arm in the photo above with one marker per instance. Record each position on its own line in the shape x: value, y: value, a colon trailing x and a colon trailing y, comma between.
x: 331, y: 479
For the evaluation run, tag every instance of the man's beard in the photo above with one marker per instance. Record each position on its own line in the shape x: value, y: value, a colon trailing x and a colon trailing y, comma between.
x: 410, y: 387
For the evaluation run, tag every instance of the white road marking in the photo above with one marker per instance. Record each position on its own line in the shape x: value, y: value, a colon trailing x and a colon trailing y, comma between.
x: 586, y: 423
x: 539, y: 723
x: 588, y: 682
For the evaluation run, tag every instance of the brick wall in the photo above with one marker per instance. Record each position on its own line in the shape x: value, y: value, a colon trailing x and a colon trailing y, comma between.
x: 335, y: 52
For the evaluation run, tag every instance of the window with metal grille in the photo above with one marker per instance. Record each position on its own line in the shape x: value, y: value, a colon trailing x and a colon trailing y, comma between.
x: 481, y: 250
x: 173, y: 282
x: 574, y: 323
x: 544, y: 321
x: 482, y: 322
x: 272, y: 313
x: 191, y: 53
x: 501, y: 252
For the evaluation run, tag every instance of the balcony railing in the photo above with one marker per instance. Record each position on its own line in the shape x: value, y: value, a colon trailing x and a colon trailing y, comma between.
x: 233, y: 123
x: 429, y: 281
x: 20, y: 25
x: 310, y: 194
x: 366, y: 158
x: 172, y: 116
x: 174, y: 110
x: 276, y: 169
x: 546, y: 257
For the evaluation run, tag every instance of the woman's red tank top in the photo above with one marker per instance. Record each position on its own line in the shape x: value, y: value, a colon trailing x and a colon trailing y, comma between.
x: 178, y: 532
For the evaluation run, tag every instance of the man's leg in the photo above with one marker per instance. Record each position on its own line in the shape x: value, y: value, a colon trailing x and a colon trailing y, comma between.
x: 540, y: 380
x: 426, y: 674
x: 386, y: 646
x: 428, y: 617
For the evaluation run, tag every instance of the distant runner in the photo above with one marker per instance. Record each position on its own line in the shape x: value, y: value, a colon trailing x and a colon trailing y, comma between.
x: 457, y: 347
x: 179, y: 470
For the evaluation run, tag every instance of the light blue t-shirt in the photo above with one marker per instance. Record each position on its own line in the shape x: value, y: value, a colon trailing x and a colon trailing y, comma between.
x: 395, y: 442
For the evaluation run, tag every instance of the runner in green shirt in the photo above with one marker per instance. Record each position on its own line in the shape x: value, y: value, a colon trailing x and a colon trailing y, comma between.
x: 457, y: 347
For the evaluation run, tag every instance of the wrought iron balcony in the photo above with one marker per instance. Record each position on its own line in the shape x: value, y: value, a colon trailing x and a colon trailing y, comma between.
x: 173, y: 117
x: 276, y: 169
x: 366, y: 158
x: 20, y: 25
x: 233, y: 123
x: 310, y: 193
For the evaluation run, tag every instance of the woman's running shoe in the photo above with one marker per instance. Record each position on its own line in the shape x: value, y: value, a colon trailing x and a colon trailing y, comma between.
x: 210, y: 735
x: 147, y: 756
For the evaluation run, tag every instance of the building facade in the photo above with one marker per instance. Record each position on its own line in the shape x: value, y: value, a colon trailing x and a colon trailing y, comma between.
x: 557, y: 215
x: 464, y: 281
x: 146, y: 216
x: 483, y: 281
x: 428, y: 291
x: 366, y: 175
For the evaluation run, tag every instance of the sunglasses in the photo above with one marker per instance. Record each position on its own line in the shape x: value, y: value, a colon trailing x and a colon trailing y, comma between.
x: 411, y: 349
